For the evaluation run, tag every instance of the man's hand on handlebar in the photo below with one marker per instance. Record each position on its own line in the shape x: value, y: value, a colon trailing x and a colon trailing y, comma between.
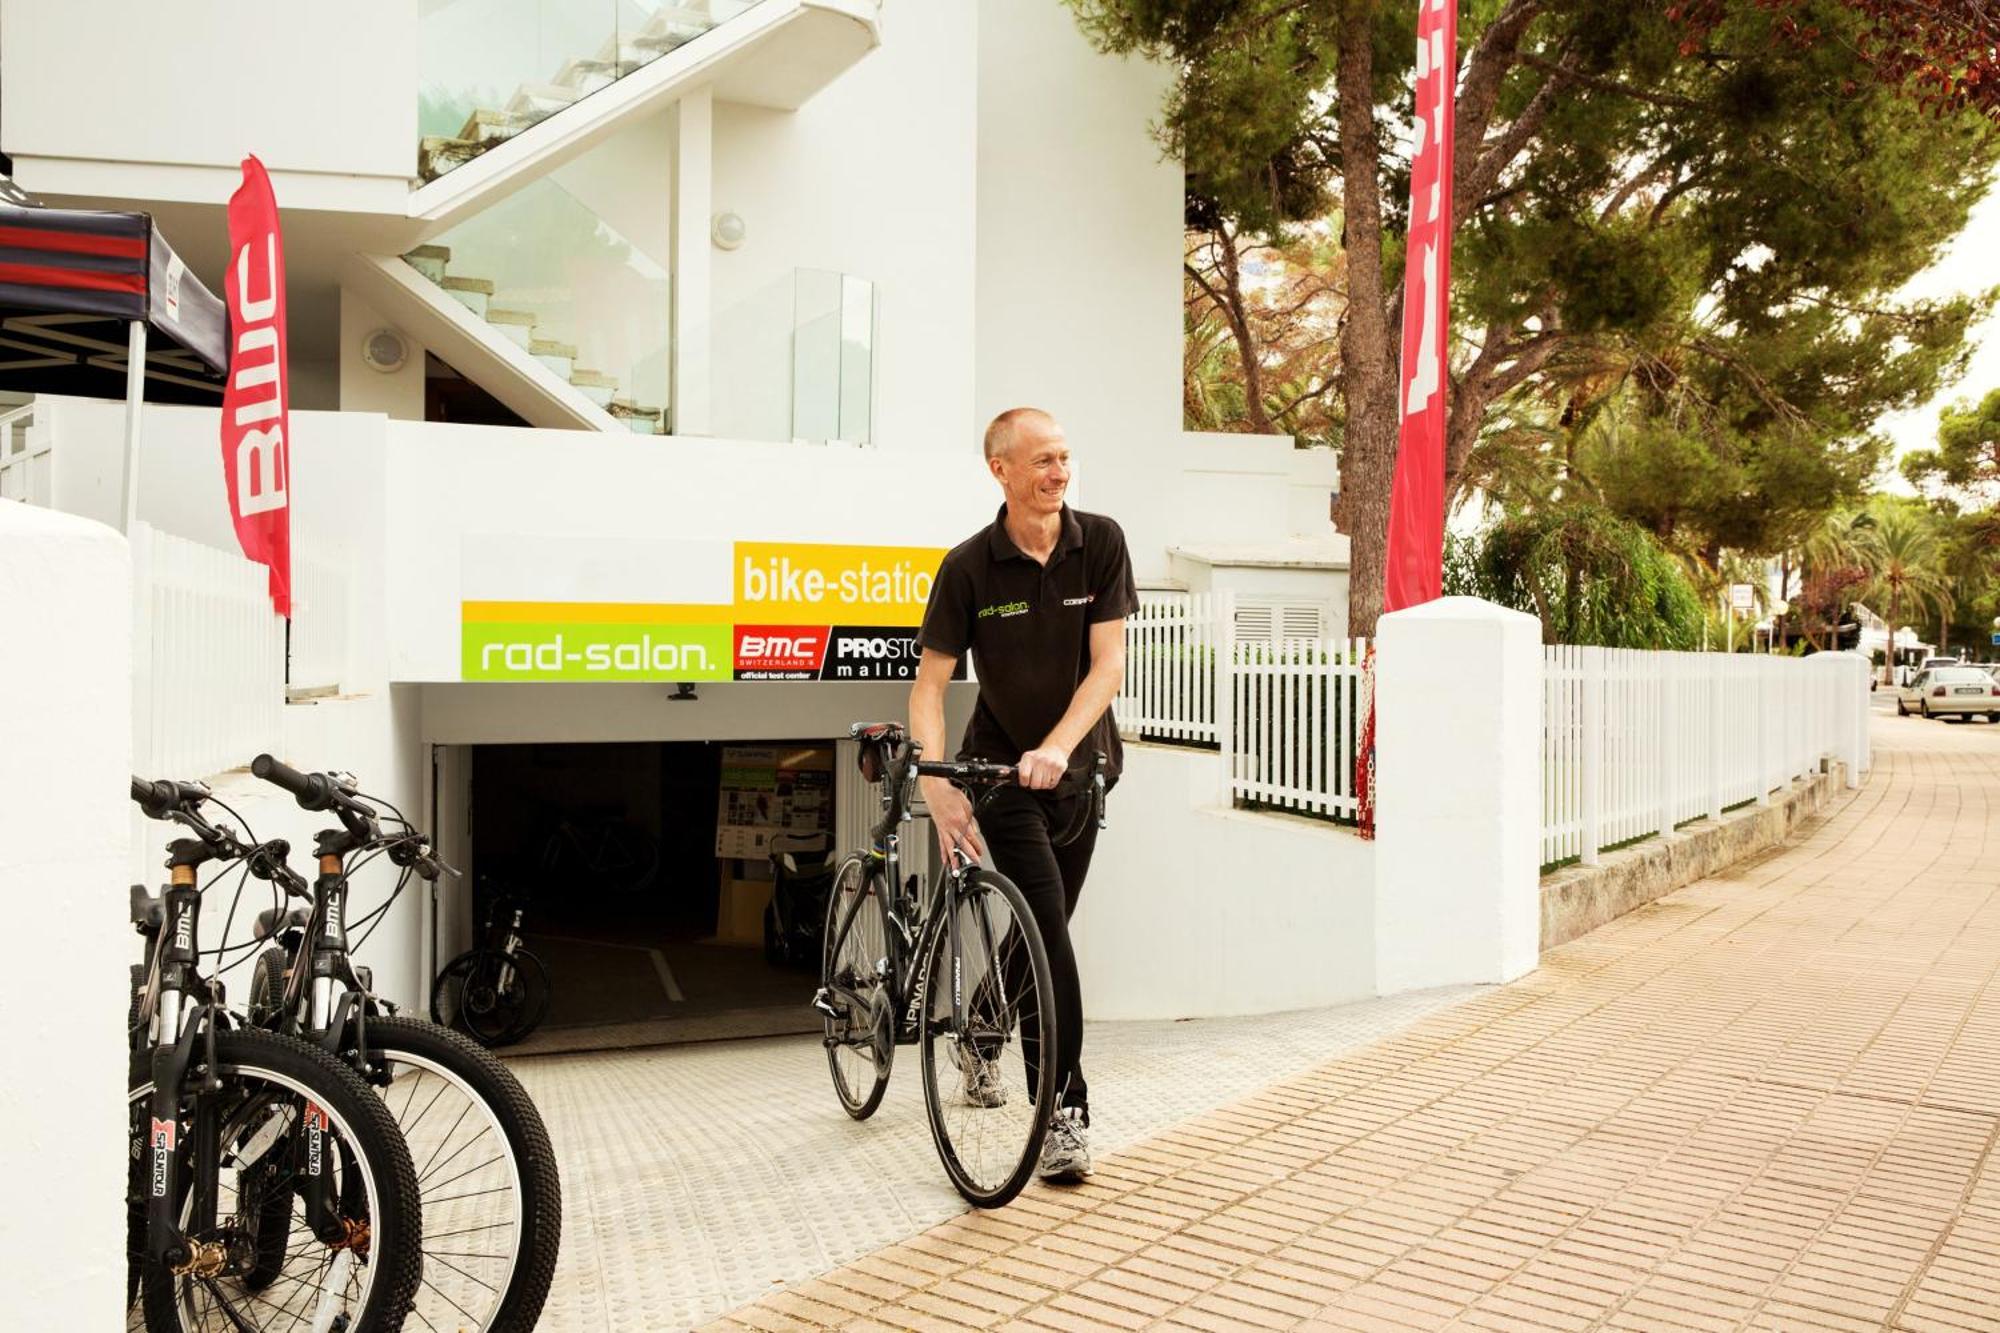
x: 951, y: 816
x: 1041, y: 769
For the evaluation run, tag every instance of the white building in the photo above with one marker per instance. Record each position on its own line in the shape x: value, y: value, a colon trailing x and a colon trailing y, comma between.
x: 598, y: 313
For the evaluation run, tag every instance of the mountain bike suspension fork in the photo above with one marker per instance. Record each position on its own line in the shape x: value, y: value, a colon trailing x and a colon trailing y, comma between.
x: 179, y: 952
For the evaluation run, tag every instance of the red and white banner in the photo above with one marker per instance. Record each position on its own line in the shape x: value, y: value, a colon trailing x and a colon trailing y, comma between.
x: 1415, y: 562
x: 256, y: 427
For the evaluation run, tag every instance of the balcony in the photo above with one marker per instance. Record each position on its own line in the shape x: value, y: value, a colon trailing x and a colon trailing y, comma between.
x: 510, y: 89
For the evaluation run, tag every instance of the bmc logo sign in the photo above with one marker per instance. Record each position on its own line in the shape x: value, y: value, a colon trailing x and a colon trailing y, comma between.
x: 779, y: 652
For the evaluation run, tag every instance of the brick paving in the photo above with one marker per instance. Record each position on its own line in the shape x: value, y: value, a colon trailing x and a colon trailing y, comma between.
x: 1767, y: 1101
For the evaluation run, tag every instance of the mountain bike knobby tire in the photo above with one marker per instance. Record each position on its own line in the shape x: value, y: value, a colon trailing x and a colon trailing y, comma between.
x: 364, y: 1130
x: 977, y: 880
x: 527, y: 1139
x: 849, y: 911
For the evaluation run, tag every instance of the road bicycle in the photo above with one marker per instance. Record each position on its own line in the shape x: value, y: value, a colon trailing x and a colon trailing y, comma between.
x: 485, y: 1172
x: 959, y: 971
x: 497, y: 993
x: 606, y: 852
x: 268, y: 1187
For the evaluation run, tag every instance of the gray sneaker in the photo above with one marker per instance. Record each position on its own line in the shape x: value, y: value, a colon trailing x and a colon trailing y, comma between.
x: 982, y: 1085
x: 1066, y: 1151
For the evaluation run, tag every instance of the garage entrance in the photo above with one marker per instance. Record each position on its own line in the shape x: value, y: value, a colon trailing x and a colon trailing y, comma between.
x: 643, y: 870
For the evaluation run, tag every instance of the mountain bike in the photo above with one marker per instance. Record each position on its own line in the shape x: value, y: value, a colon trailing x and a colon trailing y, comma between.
x: 960, y: 972
x: 606, y: 851
x: 485, y: 1172
x: 497, y: 993
x: 268, y: 1187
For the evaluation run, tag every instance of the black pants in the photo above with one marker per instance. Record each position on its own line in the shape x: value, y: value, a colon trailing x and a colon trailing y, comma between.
x: 1020, y: 828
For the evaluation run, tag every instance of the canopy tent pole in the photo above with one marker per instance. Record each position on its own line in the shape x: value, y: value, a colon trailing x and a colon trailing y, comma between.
x: 135, y: 401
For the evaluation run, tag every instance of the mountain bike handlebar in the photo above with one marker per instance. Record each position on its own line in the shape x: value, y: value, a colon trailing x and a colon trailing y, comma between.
x: 325, y: 791
x: 181, y: 802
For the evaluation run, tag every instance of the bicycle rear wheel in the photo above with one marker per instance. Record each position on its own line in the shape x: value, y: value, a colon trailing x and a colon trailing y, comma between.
x: 861, y: 1042
x: 282, y: 1105
x: 989, y: 1078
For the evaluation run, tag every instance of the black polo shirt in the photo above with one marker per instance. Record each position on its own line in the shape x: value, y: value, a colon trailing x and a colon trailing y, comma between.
x: 1028, y: 628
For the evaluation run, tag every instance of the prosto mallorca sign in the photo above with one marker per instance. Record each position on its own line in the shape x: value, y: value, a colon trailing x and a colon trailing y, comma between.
x: 792, y: 611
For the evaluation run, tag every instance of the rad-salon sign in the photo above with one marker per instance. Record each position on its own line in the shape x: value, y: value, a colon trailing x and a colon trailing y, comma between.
x: 738, y: 611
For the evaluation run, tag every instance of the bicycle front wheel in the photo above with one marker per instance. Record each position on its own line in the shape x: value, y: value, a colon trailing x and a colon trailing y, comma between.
x: 495, y: 998
x: 854, y: 980
x: 268, y: 1263
x: 989, y: 1068
x: 486, y: 1176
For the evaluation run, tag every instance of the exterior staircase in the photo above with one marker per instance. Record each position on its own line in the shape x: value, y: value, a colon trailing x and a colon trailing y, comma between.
x: 519, y: 328
x: 670, y: 27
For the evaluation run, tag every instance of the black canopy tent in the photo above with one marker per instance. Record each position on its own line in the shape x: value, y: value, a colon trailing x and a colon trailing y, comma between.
x: 79, y: 292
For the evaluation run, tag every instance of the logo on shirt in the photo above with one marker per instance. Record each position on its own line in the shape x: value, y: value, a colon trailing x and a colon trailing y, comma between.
x: 1004, y: 609
x: 1080, y: 601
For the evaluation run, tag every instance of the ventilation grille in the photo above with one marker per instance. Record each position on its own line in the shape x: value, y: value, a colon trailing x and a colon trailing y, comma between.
x: 1276, y: 622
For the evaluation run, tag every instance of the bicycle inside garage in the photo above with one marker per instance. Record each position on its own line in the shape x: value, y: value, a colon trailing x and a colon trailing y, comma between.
x: 644, y: 874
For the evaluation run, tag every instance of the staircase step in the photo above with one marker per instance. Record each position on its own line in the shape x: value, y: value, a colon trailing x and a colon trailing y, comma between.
x: 437, y: 154
x: 490, y: 127
x: 472, y: 293
x: 541, y: 99
x: 639, y: 420
x: 595, y: 385
x: 550, y: 347
x: 429, y: 260
x: 586, y: 76
x: 517, y: 325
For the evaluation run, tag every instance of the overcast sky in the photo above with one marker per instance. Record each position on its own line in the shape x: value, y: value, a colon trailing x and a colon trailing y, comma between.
x: 1971, y: 264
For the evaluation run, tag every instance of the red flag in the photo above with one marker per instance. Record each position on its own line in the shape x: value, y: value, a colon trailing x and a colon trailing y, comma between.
x: 1415, y: 572
x: 256, y: 426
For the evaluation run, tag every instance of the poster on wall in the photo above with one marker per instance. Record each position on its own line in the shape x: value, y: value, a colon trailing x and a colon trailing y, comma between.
x: 768, y: 790
x: 764, y: 611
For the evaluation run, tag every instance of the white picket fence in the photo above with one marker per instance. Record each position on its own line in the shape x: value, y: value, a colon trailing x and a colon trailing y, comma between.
x: 208, y: 658
x: 1635, y: 743
x: 25, y: 473
x: 1286, y: 714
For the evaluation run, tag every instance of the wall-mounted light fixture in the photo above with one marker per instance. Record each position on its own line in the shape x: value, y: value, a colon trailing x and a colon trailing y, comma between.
x: 727, y: 230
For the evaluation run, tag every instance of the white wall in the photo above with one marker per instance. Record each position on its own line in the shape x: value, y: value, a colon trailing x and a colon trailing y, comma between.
x: 326, y: 95
x: 1233, y: 913
x: 398, y: 393
x: 874, y: 177
x: 65, y: 741
x: 1079, y: 257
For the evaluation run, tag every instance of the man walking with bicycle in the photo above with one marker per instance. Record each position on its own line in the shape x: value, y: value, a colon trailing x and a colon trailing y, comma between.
x: 1039, y: 597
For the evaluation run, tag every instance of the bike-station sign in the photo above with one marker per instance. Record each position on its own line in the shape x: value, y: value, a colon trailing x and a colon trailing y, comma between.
x: 768, y: 611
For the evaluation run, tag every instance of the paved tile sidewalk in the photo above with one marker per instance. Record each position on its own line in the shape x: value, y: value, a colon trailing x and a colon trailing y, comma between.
x: 1768, y: 1101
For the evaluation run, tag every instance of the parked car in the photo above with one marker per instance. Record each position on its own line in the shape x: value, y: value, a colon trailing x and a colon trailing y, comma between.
x: 1954, y: 690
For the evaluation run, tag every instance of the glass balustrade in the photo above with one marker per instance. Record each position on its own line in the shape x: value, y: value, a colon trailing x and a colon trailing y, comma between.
x: 488, y: 69
x: 796, y: 360
x: 548, y: 274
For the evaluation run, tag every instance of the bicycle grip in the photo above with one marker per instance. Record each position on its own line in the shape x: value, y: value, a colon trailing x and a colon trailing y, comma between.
x: 311, y: 790
x: 155, y: 798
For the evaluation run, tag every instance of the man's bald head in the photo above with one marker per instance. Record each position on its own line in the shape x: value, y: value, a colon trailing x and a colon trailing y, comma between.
x: 1016, y: 422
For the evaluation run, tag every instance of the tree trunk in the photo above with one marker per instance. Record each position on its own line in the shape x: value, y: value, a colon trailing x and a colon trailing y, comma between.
x: 1239, y: 328
x: 1368, y: 364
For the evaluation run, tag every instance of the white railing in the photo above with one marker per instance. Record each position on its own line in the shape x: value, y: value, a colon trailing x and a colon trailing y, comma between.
x: 316, y: 657
x: 1294, y: 723
x: 1170, y: 666
x: 1285, y: 714
x: 208, y: 658
x: 1635, y: 743
x: 24, y: 457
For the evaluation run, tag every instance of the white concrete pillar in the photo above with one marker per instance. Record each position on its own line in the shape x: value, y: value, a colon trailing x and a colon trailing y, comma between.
x: 694, y: 192
x: 65, y: 737
x: 1458, y: 806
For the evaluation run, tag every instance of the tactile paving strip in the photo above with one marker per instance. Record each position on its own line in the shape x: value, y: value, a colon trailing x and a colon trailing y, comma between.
x: 696, y: 1178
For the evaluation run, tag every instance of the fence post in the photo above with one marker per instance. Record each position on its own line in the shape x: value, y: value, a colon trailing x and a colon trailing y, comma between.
x: 1718, y: 694
x: 1663, y: 749
x: 1590, y: 669
x: 1224, y: 602
x: 1458, y: 795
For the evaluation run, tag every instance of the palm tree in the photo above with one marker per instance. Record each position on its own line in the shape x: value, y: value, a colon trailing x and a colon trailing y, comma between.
x: 1908, y: 576
x: 1846, y: 545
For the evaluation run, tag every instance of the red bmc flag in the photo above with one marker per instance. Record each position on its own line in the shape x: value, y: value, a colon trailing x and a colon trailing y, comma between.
x: 256, y: 428
x: 1416, y: 505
